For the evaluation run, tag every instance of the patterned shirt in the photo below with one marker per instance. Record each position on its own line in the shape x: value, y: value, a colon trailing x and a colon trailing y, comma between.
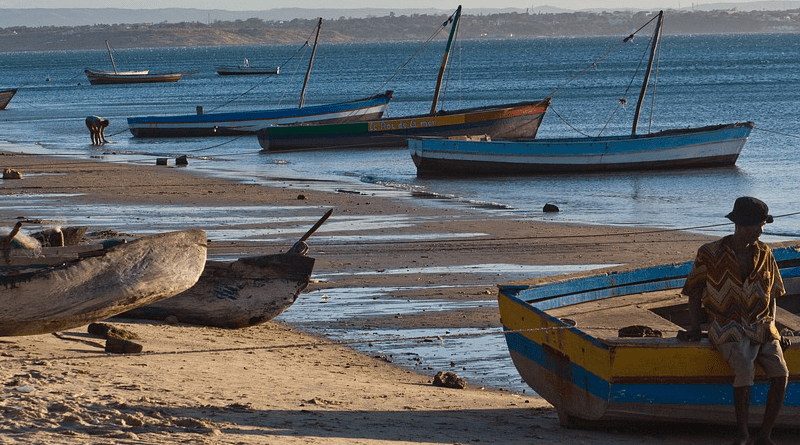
x: 736, y: 305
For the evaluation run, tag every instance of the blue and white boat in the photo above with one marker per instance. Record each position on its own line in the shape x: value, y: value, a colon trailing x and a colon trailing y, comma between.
x: 708, y: 146
x: 711, y: 146
x: 248, y: 122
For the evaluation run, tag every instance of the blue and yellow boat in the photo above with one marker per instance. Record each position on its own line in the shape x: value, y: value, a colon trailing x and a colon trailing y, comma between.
x: 590, y: 346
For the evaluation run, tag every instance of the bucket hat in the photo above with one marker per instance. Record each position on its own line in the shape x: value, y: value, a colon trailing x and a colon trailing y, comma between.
x: 749, y: 211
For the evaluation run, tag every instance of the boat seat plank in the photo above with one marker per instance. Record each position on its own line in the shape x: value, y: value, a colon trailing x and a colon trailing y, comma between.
x: 604, y: 318
x: 651, y: 300
x: 606, y: 323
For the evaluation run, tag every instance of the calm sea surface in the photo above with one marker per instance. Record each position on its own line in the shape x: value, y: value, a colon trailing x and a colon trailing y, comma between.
x: 703, y: 80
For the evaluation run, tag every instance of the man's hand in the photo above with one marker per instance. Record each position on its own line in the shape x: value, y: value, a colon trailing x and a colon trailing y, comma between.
x: 690, y: 335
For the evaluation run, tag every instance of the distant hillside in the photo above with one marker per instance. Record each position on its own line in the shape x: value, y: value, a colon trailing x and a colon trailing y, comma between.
x: 12, y: 17
x: 255, y: 31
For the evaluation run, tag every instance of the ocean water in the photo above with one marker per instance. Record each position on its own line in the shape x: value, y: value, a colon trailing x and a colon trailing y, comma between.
x: 701, y: 80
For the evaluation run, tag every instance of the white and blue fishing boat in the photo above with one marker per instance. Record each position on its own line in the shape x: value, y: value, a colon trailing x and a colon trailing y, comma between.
x: 248, y: 122
x: 607, y: 348
x: 711, y: 146
x: 475, y: 154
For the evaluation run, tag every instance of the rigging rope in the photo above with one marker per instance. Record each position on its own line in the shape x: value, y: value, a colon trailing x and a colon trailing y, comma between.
x: 415, y: 55
x: 449, y: 72
x: 550, y: 237
x: 595, y: 64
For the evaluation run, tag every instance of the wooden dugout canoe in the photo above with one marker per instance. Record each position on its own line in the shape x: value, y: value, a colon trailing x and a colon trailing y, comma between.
x: 241, y: 293
x: 40, y: 295
x: 236, y: 294
x: 563, y: 338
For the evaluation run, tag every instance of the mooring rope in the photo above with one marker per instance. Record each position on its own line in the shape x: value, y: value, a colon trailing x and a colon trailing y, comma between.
x: 328, y: 343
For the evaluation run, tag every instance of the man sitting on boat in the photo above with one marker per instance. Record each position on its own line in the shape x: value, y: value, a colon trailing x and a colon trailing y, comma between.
x: 97, y: 129
x: 736, y: 280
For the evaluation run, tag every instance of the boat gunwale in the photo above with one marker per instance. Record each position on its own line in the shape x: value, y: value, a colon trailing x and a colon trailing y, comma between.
x: 335, y: 128
x: 613, y: 283
x: 235, y: 116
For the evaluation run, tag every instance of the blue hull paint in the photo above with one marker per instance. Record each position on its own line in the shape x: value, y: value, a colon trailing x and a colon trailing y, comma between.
x: 690, y: 148
x: 592, y: 375
x: 248, y: 122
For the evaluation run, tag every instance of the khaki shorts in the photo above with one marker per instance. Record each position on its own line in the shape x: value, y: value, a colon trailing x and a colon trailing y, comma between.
x: 743, y: 355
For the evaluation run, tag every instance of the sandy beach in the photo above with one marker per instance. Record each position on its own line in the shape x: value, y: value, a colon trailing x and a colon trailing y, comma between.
x: 275, y: 383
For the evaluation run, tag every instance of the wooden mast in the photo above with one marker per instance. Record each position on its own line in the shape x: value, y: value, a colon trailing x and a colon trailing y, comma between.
x: 453, y: 29
x: 310, y: 63
x: 114, y: 65
x: 655, y: 43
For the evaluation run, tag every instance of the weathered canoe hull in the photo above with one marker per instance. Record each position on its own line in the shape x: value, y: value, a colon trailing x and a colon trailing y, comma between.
x: 91, y: 289
x: 507, y: 121
x: 603, y: 379
x: 248, y: 122
x: 5, y: 97
x: 712, y: 146
x: 236, y: 294
x: 112, y: 78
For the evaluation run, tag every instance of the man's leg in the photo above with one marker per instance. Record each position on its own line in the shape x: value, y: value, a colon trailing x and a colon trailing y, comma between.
x: 777, y: 391
x: 741, y: 402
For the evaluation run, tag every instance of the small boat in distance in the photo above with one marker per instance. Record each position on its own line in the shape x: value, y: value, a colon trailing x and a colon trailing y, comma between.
x: 5, y: 97
x: 504, y: 121
x: 608, y: 347
x: 467, y: 155
x: 245, y: 68
x: 99, y: 77
x: 67, y: 287
x: 248, y: 122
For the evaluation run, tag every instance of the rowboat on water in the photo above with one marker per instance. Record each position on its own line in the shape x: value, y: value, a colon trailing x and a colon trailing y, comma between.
x: 605, y: 348
x: 66, y: 287
x: 5, y: 97
x: 248, y: 122
x: 246, y: 68
x: 97, y: 77
x: 100, y: 77
x: 476, y: 154
x: 502, y: 121
x: 241, y: 293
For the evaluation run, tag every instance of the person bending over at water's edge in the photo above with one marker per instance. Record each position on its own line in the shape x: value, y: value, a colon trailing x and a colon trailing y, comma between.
x: 736, y: 281
x: 97, y: 129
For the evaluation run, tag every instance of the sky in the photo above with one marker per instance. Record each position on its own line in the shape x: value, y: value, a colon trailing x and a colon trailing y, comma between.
x: 257, y: 5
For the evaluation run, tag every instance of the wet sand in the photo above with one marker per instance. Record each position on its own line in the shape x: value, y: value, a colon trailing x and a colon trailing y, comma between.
x: 275, y: 383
